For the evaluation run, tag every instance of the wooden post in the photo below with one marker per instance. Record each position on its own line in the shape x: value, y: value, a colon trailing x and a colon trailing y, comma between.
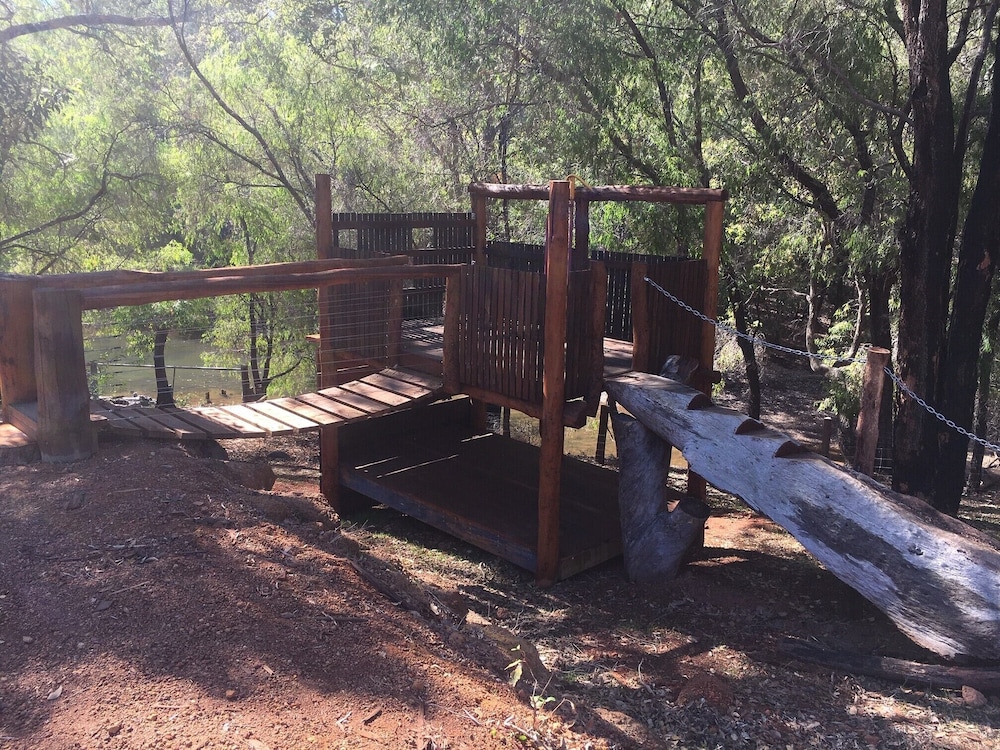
x: 711, y: 253
x: 17, y: 342
x: 324, y: 251
x: 598, y: 311
x: 600, y: 453
x: 481, y: 215
x: 450, y: 372
x: 64, y: 429
x: 557, y: 249
x: 868, y: 415
x: 640, y: 318
x: 329, y: 437
x: 826, y: 434
x: 581, y: 234
x: 394, y: 342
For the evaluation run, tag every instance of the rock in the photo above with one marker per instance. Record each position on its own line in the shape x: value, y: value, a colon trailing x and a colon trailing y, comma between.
x: 508, y: 650
x: 254, y: 476
x: 715, y: 690
x: 281, y: 508
x: 210, y: 449
x: 75, y: 500
x: 972, y: 697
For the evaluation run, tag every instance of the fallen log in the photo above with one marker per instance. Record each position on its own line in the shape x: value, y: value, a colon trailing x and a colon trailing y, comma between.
x: 895, y: 670
x: 936, y: 578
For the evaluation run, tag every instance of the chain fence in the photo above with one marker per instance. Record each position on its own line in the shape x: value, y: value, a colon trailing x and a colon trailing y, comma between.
x: 756, y: 340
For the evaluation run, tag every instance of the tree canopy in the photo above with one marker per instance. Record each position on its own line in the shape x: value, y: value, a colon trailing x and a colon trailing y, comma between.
x: 860, y: 142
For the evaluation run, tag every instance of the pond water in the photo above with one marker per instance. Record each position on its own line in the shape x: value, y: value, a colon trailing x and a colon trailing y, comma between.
x: 116, y: 374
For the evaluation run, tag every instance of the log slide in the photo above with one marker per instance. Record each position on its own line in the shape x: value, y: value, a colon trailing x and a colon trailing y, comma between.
x: 936, y: 578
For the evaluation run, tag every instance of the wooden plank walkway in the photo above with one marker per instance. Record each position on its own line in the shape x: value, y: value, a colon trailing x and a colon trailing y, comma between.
x: 389, y: 390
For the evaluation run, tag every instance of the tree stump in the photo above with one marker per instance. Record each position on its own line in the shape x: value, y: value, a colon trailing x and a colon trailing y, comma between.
x: 656, y: 539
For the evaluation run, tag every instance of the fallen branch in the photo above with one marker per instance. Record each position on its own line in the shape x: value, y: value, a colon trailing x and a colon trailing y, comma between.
x: 984, y: 679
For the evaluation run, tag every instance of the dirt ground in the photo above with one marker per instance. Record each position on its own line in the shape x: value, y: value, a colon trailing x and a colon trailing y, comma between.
x: 149, y: 599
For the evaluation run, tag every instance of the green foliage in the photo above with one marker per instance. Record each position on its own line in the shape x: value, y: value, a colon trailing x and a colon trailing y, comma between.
x: 844, y: 395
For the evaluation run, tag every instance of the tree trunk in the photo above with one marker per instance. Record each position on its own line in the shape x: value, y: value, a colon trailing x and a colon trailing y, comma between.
x: 935, y: 577
x: 879, y: 284
x: 859, y: 321
x: 925, y: 244
x: 973, y: 284
x: 815, y: 299
x: 738, y: 301
x: 983, y: 400
x: 164, y: 391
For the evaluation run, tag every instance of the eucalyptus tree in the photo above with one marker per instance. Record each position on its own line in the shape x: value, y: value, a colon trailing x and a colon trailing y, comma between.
x: 953, y: 166
x: 82, y: 151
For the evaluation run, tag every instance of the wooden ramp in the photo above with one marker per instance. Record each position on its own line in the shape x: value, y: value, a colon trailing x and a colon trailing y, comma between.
x: 375, y: 394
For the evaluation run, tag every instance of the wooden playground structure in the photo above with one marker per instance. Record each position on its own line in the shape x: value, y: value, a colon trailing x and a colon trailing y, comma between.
x: 422, y: 323
x: 416, y: 336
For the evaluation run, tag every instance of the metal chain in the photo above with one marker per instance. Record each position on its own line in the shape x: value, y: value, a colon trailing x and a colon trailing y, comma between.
x: 746, y: 336
x: 938, y: 415
x: 788, y: 350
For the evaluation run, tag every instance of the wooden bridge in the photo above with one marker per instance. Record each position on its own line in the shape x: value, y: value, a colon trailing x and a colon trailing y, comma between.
x: 370, y: 396
x: 404, y: 323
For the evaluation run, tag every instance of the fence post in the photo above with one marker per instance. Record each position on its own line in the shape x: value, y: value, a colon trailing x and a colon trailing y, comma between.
x: 868, y: 415
x: 64, y: 429
x: 481, y: 215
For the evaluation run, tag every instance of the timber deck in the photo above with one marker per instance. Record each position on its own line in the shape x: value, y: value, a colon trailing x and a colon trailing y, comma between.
x: 480, y: 487
x: 389, y: 390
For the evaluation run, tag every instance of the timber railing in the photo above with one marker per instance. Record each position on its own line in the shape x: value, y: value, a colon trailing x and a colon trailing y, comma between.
x: 43, y: 379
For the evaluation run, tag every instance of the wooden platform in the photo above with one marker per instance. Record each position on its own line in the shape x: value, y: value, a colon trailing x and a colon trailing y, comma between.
x: 481, y: 488
x: 378, y: 393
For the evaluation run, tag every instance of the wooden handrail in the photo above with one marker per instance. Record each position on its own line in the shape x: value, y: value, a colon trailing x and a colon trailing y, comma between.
x: 645, y: 193
x: 198, y: 287
x: 93, y: 279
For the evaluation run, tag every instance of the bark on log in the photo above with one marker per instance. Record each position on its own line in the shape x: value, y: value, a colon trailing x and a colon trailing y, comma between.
x: 655, y: 539
x: 937, y: 578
